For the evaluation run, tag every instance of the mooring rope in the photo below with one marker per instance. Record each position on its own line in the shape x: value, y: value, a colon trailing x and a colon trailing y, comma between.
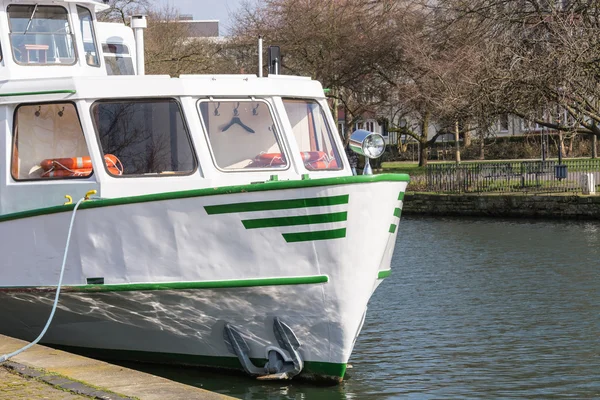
x: 62, y: 271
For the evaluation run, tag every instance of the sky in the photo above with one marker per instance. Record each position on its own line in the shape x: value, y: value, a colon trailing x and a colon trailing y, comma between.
x: 207, y: 9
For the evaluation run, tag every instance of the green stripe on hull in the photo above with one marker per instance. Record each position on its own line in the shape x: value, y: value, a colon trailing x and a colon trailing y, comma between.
x: 276, y: 205
x: 401, y: 196
x: 397, y: 212
x: 312, y: 369
x: 298, y: 220
x: 259, y: 187
x: 316, y: 235
x: 392, y: 228
x: 225, y: 284
x: 66, y: 91
x: 384, y: 274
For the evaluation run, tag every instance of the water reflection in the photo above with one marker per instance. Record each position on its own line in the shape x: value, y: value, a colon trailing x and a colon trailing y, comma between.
x: 474, y: 308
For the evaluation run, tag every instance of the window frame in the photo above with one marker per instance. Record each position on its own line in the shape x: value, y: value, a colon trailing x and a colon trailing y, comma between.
x: 142, y: 100
x: 330, y: 132
x: 12, y: 149
x: 72, y: 34
x: 278, y: 136
x: 107, y: 54
x: 94, y: 36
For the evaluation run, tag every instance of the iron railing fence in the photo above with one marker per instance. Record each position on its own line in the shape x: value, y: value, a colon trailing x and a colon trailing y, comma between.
x: 511, y: 176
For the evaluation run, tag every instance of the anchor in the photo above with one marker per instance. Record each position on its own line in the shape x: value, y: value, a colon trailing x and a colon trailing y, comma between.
x: 279, y: 365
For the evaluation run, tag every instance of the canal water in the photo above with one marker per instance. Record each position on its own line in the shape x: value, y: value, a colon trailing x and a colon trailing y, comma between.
x: 474, y: 308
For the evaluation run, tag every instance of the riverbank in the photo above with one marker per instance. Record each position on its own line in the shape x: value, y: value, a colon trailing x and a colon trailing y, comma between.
x: 43, y: 372
x: 567, y: 206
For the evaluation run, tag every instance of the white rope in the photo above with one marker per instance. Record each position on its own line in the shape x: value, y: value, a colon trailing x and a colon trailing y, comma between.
x: 62, y: 270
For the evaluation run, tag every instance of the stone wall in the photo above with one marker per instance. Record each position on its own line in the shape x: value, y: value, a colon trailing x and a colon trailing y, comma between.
x: 538, y: 206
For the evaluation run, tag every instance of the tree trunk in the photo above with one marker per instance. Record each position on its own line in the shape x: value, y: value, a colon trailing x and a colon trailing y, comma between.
x: 423, y: 140
x: 467, y: 138
x: 481, y: 147
x: 561, y: 145
x: 594, y: 146
x: 456, y: 137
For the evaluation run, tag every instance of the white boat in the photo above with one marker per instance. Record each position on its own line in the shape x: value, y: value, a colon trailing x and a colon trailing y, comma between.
x: 226, y: 230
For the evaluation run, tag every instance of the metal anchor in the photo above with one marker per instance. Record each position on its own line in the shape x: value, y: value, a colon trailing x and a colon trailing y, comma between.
x: 278, y: 366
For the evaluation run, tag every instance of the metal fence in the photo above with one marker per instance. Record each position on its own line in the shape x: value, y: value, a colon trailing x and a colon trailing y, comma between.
x: 511, y: 176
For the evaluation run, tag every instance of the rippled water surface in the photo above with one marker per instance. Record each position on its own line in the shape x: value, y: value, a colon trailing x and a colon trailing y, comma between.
x: 474, y: 308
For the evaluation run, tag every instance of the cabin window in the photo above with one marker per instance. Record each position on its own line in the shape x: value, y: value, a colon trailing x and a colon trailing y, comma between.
x: 313, y: 135
x: 48, y: 143
x: 117, y: 59
x: 86, y: 25
x: 147, y: 136
x: 41, y: 35
x: 242, y: 134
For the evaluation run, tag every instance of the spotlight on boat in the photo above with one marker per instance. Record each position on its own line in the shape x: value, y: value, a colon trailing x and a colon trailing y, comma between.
x: 368, y: 144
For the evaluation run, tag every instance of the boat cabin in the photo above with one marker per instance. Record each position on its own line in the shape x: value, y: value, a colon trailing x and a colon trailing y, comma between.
x: 75, y: 118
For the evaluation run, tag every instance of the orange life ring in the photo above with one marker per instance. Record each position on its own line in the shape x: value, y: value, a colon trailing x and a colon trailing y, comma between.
x: 76, y: 163
x: 315, y: 165
x: 62, y: 173
x: 313, y: 156
x: 268, y: 159
x: 78, y: 166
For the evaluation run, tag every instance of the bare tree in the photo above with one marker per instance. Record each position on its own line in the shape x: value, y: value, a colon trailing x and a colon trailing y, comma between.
x: 351, y: 46
x: 172, y: 49
x: 541, y: 59
x: 120, y: 10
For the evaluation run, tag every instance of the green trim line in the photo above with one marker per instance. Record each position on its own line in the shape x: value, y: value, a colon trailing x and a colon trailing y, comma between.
x: 317, y: 235
x: 384, y: 274
x: 401, y: 196
x: 292, y: 221
x: 392, y: 228
x: 276, y: 205
x: 316, y: 370
x: 397, y: 212
x: 259, y: 187
x: 225, y: 284
x: 38, y: 93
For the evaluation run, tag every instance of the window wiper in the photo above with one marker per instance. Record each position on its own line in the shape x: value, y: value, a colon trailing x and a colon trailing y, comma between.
x: 31, y: 19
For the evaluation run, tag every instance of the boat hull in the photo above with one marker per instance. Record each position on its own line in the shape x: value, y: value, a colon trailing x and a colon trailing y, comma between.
x: 158, y: 278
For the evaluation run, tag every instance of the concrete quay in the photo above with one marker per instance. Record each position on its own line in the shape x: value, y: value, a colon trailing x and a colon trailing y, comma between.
x: 45, y: 373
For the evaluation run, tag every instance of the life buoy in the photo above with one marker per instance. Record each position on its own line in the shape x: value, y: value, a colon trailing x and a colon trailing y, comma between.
x: 313, y: 156
x: 76, y: 162
x: 315, y: 165
x: 78, y: 166
x: 313, y: 160
x: 270, y: 159
x: 62, y: 173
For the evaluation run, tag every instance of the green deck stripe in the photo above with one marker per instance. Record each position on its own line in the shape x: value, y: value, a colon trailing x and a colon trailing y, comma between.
x: 392, y: 228
x: 317, y: 235
x: 224, y: 284
x: 312, y: 369
x: 298, y: 220
x: 397, y: 212
x: 259, y: 187
x: 401, y: 196
x: 276, y: 205
x: 38, y: 93
x: 384, y: 274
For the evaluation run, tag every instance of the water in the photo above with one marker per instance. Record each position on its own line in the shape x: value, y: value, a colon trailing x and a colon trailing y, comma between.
x: 474, y: 308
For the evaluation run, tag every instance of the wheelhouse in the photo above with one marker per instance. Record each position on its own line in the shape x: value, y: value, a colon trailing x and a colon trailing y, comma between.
x: 125, y: 136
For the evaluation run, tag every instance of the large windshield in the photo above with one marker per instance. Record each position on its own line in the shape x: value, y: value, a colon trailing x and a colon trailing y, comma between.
x: 242, y: 134
x: 313, y: 135
x: 41, y: 35
x: 146, y: 136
